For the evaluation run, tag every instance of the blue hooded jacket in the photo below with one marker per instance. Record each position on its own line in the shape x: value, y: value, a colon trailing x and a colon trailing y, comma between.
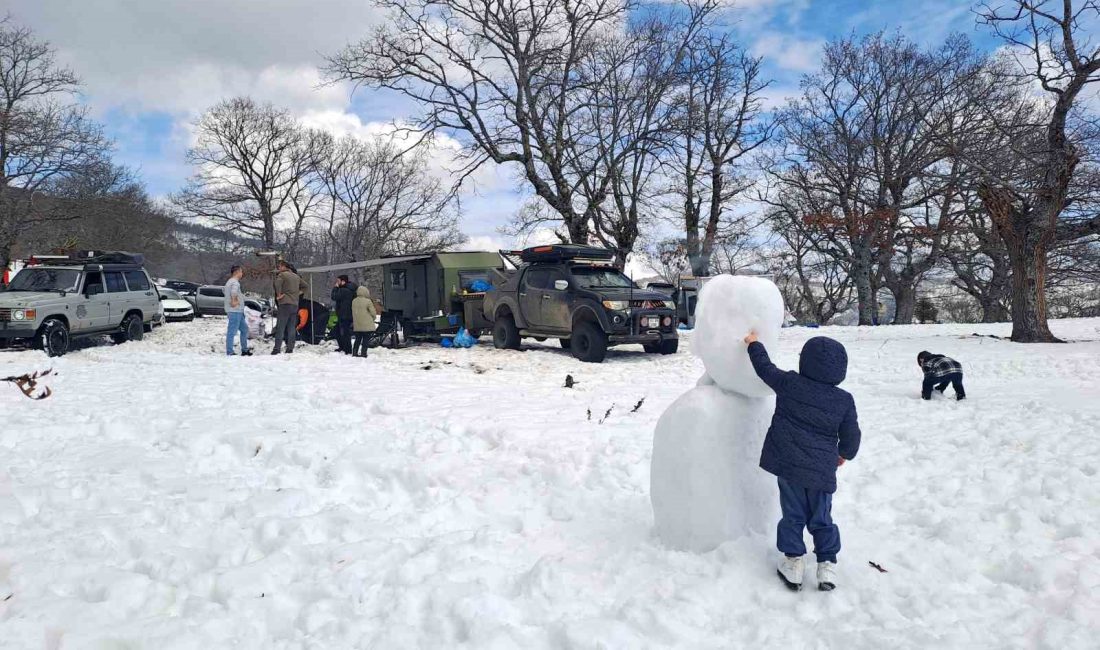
x: 814, y: 421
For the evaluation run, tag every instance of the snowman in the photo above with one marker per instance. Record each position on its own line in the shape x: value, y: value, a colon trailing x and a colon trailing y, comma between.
x: 706, y: 484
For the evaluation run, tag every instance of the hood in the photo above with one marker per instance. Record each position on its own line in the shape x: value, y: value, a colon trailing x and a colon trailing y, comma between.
x: 26, y: 298
x: 362, y: 292
x: 823, y: 359
x: 175, y: 304
x: 626, y: 294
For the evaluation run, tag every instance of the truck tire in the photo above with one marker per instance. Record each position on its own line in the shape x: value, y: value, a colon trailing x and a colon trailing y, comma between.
x: 505, y: 334
x: 53, y: 337
x: 589, y: 343
x: 132, y: 329
x: 670, y: 346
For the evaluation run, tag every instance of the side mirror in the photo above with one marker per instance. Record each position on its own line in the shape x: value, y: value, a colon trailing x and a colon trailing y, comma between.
x: 561, y: 285
x: 163, y: 298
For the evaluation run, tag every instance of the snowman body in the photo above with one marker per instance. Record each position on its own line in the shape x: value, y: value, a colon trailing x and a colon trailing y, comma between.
x: 706, y: 485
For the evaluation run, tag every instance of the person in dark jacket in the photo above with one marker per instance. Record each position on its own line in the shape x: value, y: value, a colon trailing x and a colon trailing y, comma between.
x: 815, y: 429
x: 343, y: 294
x: 939, y: 371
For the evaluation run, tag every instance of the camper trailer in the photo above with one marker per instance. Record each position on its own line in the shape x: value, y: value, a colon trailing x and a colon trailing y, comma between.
x: 429, y: 295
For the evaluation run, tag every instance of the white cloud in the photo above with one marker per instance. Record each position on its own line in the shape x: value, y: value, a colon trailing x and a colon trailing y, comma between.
x: 789, y: 52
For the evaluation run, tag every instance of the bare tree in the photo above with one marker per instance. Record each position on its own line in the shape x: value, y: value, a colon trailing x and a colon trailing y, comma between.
x: 253, y: 163
x: 523, y: 82
x: 720, y: 124
x: 1050, y: 42
x: 379, y: 200
x: 43, y: 139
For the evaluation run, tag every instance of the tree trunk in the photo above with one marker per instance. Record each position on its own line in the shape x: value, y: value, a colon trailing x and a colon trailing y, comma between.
x: 905, y: 300
x: 1029, y: 298
x: 993, y: 311
x: 861, y: 273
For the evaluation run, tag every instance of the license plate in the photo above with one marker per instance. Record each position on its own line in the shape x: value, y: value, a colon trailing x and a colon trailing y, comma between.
x: 651, y: 321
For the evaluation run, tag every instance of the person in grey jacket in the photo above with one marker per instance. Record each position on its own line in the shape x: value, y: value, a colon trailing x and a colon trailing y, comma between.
x: 234, y: 309
x: 289, y: 288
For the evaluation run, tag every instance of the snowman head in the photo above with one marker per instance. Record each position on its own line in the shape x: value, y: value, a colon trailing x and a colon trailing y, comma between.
x: 729, y: 308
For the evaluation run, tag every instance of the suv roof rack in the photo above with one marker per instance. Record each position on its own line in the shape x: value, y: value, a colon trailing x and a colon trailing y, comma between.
x: 559, y: 253
x: 82, y: 258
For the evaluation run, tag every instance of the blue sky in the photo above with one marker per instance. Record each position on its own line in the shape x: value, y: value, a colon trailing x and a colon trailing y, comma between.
x: 150, y: 67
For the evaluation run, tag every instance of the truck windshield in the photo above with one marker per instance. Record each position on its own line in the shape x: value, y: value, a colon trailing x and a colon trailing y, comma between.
x: 597, y: 278
x: 45, y: 280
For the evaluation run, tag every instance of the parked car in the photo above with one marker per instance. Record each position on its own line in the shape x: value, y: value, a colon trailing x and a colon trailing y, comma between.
x: 574, y: 294
x: 180, y: 286
x: 90, y: 293
x: 208, y: 300
x: 176, y: 308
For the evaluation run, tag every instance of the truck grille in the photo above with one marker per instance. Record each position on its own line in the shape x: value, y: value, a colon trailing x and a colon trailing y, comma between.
x: 648, y: 304
x: 5, y: 315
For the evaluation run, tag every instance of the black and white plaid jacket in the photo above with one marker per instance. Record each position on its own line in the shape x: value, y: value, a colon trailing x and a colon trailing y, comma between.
x: 940, y: 366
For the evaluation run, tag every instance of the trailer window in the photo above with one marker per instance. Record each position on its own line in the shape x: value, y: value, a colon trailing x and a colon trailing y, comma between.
x: 469, y: 278
x: 398, y: 279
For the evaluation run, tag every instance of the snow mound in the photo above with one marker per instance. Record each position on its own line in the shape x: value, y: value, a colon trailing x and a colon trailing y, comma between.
x: 705, y: 486
x: 729, y: 308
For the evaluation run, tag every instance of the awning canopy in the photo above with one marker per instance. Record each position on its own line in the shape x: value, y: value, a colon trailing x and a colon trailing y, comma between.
x: 362, y: 265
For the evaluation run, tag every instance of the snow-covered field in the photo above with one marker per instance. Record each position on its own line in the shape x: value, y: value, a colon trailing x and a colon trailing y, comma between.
x: 169, y: 497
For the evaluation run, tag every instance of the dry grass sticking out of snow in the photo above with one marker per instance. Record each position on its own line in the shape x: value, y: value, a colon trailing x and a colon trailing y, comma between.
x: 169, y: 497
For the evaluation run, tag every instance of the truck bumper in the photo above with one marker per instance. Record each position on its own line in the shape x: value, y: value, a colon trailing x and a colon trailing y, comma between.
x: 9, y: 331
x: 635, y: 329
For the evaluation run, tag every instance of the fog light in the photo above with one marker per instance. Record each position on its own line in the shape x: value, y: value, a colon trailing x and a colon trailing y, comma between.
x: 667, y: 321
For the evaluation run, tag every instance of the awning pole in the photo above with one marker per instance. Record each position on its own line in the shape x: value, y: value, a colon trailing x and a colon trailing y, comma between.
x: 312, y: 322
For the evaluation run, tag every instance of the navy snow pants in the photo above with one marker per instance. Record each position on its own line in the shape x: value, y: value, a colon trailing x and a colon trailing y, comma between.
x: 802, y: 509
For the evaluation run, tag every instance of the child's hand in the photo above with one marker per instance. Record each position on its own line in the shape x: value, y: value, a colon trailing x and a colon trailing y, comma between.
x: 840, y: 461
x: 751, y: 338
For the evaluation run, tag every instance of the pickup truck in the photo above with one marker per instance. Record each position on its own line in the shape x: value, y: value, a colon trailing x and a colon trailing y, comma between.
x: 574, y: 294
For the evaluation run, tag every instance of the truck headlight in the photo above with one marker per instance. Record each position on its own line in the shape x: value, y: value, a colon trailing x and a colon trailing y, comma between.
x: 616, y: 305
x: 18, y: 314
x: 670, y: 304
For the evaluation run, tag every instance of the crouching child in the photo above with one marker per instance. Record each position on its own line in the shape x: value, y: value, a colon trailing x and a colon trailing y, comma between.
x: 939, y: 371
x: 813, y: 432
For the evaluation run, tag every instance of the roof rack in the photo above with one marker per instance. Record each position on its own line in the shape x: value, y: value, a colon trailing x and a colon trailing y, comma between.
x: 559, y: 253
x: 81, y: 258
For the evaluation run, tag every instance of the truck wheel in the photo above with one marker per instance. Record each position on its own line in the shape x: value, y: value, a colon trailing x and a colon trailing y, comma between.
x: 132, y: 329
x: 53, y: 337
x: 505, y: 334
x: 652, y: 348
x: 566, y: 343
x: 670, y: 346
x: 589, y: 343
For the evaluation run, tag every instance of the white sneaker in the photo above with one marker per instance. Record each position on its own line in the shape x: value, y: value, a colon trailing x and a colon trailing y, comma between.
x: 790, y: 571
x: 826, y: 576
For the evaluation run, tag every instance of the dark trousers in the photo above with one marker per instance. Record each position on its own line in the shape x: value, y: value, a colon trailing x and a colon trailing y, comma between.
x: 360, y: 343
x: 343, y: 335
x: 286, y: 327
x: 807, y: 509
x: 955, y: 379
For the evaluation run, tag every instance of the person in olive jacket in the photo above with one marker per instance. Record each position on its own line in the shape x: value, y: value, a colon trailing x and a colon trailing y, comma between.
x: 363, y: 314
x: 815, y: 429
x: 289, y: 288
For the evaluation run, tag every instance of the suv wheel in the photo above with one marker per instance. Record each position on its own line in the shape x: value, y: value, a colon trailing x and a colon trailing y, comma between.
x: 669, y: 346
x: 589, y: 343
x: 505, y: 334
x: 132, y: 329
x: 53, y: 337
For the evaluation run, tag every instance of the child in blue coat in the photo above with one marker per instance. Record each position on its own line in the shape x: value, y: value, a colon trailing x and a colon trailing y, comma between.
x: 813, y: 432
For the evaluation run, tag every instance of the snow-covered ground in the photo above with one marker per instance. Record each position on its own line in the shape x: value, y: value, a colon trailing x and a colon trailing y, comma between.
x: 169, y: 497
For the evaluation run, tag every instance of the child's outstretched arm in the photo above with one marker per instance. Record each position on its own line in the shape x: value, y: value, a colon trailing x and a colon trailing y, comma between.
x: 763, y: 365
x: 927, y: 386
